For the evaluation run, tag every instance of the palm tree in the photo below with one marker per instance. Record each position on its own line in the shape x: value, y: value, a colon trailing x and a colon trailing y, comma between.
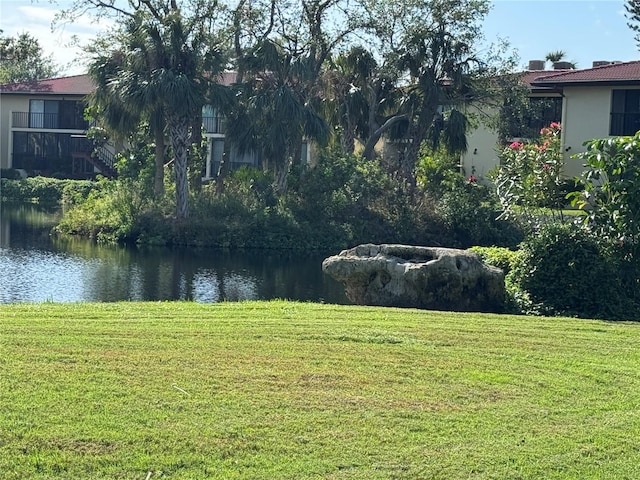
x: 119, y: 111
x: 277, y: 110
x: 352, y: 92
x: 559, y: 56
x: 161, y: 77
x: 437, y: 66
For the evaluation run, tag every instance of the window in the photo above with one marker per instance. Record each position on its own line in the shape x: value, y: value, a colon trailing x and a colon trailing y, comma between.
x: 54, y: 114
x: 212, y: 120
x: 72, y: 115
x: 625, y: 112
x: 43, y: 114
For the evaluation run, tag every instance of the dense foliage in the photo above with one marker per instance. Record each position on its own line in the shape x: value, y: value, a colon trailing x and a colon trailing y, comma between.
x: 48, y: 192
x: 530, y: 176
x: 22, y: 59
x: 340, y: 202
x: 563, y: 270
x: 347, y: 73
x: 583, y: 265
x: 504, y: 258
x: 611, y: 192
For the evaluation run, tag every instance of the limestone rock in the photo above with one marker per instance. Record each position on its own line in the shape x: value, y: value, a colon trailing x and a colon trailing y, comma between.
x: 431, y: 278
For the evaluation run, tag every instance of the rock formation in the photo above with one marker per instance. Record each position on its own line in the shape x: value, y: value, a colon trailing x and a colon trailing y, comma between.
x: 421, y: 277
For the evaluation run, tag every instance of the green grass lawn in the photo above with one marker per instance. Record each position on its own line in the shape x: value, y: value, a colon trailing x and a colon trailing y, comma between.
x: 281, y: 390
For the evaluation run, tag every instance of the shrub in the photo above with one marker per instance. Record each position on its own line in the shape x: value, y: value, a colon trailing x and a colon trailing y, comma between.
x: 466, y: 209
x: 356, y: 201
x: 562, y: 270
x: 471, y: 216
x: 111, y: 212
x: 611, y: 192
x: 501, y: 257
x: 46, y: 191
x: 530, y: 176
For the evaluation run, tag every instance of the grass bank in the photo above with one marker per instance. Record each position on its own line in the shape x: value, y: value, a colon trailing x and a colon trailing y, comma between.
x: 281, y: 390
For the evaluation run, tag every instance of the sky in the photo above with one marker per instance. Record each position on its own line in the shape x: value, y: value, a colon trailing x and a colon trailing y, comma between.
x: 586, y: 30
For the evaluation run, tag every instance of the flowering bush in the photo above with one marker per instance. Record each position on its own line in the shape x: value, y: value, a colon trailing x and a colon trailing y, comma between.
x: 530, y: 174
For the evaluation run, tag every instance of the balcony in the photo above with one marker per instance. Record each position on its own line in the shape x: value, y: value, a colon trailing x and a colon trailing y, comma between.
x: 48, y: 121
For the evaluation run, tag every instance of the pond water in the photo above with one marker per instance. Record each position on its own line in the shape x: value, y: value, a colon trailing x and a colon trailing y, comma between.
x: 37, y: 267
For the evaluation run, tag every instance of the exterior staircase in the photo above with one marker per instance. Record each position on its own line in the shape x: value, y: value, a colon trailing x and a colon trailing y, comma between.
x: 101, y: 158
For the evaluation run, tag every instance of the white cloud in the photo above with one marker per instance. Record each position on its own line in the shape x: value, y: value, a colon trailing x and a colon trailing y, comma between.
x: 62, y: 43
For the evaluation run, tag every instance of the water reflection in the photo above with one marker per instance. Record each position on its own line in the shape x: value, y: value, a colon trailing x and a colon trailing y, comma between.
x: 36, y: 267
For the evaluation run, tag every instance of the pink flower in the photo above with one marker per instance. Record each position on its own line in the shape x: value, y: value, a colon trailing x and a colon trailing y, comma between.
x: 516, y: 146
x: 555, y: 125
x: 546, y: 166
x: 472, y: 179
x: 543, y: 147
x: 546, y: 131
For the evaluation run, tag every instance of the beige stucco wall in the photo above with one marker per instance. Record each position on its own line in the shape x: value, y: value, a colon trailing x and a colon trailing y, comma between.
x: 8, y: 104
x: 586, y: 115
x: 481, y: 155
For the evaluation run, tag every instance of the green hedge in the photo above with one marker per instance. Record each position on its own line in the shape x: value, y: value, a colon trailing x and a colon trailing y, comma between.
x: 43, y: 190
x: 563, y: 271
x: 501, y: 257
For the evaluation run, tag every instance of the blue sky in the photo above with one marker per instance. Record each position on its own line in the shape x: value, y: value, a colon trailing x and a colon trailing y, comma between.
x: 586, y: 30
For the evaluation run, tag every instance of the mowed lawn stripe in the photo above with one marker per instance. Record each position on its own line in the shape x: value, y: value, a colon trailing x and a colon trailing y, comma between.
x: 299, y: 390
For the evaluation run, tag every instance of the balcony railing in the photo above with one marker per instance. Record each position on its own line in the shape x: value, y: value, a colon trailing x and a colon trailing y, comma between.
x: 50, y: 121
x: 213, y: 124
x: 101, y: 157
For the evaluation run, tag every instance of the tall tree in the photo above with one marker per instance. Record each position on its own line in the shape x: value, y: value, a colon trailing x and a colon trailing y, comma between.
x: 22, y: 59
x: 433, y: 46
x: 632, y: 8
x: 280, y: 61
x: 359, y: 91
x: 276, y: 112
x: 167, y: 58
x: 123, y: 112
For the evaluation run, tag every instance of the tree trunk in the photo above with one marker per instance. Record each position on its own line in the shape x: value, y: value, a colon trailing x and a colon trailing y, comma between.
x: 179, y: 130
x: 369, y: 147
x: 158, y: 177
x: 409, y: 157
x: 197, y: 155
x: 281, y: 174
x: 157, y: 124
x: 223, y: 169
x: 348, y: 140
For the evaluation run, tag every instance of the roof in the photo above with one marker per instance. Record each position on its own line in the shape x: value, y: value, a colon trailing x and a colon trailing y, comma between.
x: 627, y: 73
x: 530, y: 76
x: 227, y: 78
x: 75, y: 85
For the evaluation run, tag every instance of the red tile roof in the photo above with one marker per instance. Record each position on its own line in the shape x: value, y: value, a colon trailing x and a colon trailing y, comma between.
x: 625, y: 73
x: 530, y: 76
x: 75, y: 85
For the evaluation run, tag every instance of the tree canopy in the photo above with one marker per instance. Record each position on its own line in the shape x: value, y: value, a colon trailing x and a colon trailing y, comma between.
x: 632, y: 8
x: 22, y: 59
x: 359, y: 70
